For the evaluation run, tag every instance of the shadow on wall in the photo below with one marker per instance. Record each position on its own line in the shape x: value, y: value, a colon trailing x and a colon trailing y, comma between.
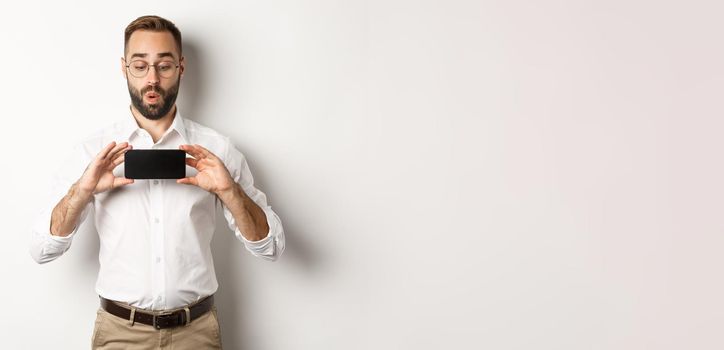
x: 228, y: 251
x: 191, y: 94
x: 231, y: 271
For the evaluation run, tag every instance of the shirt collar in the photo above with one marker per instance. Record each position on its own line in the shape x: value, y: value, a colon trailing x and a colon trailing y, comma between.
x: 129, y: 126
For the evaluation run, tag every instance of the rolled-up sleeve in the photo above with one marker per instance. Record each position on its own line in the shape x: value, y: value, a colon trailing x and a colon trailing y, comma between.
x: 271, y: 246
x: 45, y: 247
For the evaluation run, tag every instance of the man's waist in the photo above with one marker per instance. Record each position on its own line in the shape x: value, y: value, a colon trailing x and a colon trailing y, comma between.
x: 159, y: 319
x: 140, y: 295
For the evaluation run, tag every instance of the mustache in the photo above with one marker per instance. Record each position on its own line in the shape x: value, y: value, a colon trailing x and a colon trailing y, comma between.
x: 153, y: 88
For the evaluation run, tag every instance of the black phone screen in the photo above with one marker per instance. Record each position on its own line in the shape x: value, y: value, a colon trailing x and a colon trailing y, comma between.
x: 155, y: 164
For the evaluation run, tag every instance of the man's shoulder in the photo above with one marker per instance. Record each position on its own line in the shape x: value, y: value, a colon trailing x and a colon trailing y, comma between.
x: 100, y: 137
x: 213, y: 140
x: 196, y: 129
x: 217, y: 142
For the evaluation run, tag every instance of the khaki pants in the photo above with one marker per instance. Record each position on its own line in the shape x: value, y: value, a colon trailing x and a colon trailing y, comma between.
x: 113, y: 333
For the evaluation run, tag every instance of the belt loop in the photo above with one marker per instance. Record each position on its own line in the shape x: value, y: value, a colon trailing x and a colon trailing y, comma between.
x: 188, y: 315
x: 133, y: 316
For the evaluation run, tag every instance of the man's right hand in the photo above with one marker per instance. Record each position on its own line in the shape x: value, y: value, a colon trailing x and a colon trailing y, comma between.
x: 98, y: 176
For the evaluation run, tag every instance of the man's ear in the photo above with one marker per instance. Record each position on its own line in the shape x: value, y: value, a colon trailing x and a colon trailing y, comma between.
x: 124, y: 71
x: 181, y: 66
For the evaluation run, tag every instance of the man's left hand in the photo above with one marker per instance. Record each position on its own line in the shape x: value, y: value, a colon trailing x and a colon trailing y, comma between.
x: 212, y: 173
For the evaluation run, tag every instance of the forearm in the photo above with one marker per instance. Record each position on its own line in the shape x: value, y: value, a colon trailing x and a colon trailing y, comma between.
x: 249, y: 217
x: 67, y: 212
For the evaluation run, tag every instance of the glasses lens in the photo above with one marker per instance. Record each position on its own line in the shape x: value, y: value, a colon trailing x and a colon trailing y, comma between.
x: 138, y: 69
x: 166, y: 69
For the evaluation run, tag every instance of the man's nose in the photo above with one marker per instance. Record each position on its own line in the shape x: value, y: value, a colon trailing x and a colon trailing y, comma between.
x: 152, y: 77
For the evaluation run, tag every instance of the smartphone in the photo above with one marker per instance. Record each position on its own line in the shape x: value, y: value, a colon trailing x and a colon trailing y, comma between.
x: 155, y: 164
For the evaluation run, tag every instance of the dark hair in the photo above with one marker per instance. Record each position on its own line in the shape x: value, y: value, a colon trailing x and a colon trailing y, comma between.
x: 154, y: 24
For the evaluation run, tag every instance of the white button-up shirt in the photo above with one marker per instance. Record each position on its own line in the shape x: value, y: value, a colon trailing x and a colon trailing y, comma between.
x: 155, y: 235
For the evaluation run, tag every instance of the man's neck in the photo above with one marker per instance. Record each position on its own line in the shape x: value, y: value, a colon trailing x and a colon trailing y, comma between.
x: 154, y: 127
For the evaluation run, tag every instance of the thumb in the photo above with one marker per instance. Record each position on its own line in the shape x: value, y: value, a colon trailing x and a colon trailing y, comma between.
x: 121, y: 181
x: 188, y: 181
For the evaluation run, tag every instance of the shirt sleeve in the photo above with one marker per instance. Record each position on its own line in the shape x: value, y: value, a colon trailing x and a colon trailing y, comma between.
x: 272, y: 246
x: 45, y: 247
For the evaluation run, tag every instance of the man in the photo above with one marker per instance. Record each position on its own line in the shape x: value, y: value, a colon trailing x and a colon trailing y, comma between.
x: 156, y: 279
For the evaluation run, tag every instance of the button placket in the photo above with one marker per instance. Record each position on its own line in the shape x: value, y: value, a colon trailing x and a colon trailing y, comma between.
x: 157, y: 237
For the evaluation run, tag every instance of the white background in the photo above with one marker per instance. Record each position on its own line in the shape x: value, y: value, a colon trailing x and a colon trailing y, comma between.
x: 450, y: 174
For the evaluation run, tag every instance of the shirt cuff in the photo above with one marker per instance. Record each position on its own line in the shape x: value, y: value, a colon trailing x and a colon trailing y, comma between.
x: 266, y: 245
x: 53, y: 239
x: 55, y: 244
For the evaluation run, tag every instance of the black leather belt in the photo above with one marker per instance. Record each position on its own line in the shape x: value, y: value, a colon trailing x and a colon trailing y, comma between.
x: 163, y: 319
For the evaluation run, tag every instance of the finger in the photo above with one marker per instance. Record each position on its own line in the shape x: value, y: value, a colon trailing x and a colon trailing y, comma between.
x: 192, y: 163
x: 106, y: 149
x: 205, y: 152
x: 121, y: 181
x: 188, y: 181
x: 120, y: 159
x: 121, y: 152
x: 121, y: 147
x: 193, y: 151
x: 112, y: 152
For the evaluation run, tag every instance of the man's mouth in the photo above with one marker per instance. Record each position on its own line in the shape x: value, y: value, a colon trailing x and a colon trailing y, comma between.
x: 152, y: 97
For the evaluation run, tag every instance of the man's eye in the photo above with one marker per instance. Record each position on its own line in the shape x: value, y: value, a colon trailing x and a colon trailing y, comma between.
x: 165, y: 66
x: 139, y: 67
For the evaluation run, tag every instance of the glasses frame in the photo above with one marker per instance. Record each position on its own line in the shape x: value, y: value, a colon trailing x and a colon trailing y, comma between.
x: 148, y: 68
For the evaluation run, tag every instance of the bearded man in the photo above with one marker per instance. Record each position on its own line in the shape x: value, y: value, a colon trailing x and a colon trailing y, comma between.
x: 156, y: 280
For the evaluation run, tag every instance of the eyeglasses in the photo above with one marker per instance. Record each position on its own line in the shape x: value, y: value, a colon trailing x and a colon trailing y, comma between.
x: 139, y: 69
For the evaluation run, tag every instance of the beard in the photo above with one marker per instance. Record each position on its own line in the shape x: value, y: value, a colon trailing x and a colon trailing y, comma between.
x: 154, y: 111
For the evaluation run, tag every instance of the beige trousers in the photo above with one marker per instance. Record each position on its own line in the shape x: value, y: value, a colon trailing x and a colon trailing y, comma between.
x: 113, y: 333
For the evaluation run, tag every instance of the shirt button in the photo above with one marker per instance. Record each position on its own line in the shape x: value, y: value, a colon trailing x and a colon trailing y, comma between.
x: 155, y: 182
x: 158, y: 260
x: 156, y: 220
x: 159, y: 298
